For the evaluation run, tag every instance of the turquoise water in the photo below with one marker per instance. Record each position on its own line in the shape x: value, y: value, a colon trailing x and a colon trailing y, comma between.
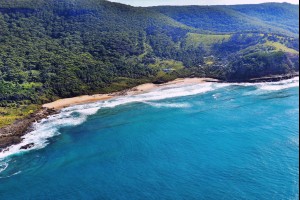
x: 209, y: 141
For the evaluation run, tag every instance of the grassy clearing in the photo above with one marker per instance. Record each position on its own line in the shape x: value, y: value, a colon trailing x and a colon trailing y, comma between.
x: 280, y: 47
x: 209, y: 62
x: 10, y: 114
x: 167, y: 64
x: 206, y: 40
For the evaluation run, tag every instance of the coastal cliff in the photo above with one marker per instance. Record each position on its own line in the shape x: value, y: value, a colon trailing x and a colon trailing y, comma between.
x: 13, y: 133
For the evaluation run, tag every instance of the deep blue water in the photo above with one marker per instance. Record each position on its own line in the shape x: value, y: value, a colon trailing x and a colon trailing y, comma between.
x: 232, y: 142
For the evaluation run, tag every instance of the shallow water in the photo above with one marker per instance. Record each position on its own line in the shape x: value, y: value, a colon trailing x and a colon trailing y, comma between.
x: 208, y: 141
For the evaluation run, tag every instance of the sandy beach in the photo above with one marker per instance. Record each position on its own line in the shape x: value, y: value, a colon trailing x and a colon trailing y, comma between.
x: 62, y: 103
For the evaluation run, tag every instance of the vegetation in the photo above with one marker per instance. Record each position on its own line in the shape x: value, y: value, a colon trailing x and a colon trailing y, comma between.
x: 206, y: 40
x: 268, y: 17
x: 52, y: 49
x: 280, y: 47
x: 14, y: 112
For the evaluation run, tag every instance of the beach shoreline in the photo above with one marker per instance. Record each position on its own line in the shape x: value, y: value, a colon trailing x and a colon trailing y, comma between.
x: 147, y: 87
x: 144, y: 88
x: 13, y: 134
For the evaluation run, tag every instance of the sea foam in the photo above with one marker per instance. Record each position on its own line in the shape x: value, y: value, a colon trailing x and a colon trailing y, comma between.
x: 3, y: 166
x: 76, y: 115
x: 168, y: 105
x: 281, y: 85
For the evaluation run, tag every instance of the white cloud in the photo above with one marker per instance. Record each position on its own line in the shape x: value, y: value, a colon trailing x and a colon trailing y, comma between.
x: 197, y: 2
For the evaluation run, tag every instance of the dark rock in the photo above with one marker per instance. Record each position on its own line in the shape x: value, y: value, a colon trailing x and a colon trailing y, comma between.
x: 12, y: 134
x: 8, y: 141
x: 273, y: 78
x: 27, y: 146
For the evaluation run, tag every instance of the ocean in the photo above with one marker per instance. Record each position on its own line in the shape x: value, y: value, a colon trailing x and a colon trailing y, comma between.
x: 181, y: 142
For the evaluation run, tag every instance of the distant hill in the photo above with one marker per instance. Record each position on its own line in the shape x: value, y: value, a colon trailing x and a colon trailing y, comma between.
x: 51, y: 49
x: 269, y: 17
x: 285, y: 16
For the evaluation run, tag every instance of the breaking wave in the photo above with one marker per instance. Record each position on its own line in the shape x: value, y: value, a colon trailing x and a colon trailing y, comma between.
x: 273, y: 86
x: 169, y: 105
x: 3, y: 166
x: 281, y: 85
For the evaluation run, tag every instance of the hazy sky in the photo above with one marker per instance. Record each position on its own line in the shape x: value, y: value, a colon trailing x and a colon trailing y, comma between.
x: 196, y: 2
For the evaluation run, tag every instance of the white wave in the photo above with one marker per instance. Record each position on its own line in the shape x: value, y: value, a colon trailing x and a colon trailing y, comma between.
x: 3, y: 166
x: 14, y: 174
x: 169, y: 105
x: 78, y: 114
x: 90, y: 111
x: 44, y: 130
x: 273, y: 86
x: 216, y: 96
x: 267, y: 87
x: 276, y: 86
x: 294, y: 141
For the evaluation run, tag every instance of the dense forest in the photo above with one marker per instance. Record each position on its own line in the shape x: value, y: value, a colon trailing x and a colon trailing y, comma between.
x: 269, y: 17
x: 52, y: 49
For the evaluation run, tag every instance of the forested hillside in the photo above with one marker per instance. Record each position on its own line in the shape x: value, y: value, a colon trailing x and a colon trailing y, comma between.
x: 52, y: 49
x: 268, y: 17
